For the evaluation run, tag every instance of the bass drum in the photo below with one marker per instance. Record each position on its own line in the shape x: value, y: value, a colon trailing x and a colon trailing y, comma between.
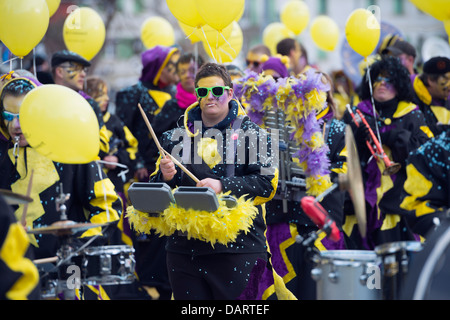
x: 429, y: 276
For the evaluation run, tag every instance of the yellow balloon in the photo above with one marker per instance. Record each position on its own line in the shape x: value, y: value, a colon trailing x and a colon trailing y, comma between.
x: 362, y: 31
x: 186, y: 12
x: 240, y: 14
x: 295, y: 16
x: 53, y: 5
x: 214, y: 38
x: 23, y: 24
x: 228, y: 51
x: 274, y: 33
x: 60, y: 124
x: 190, y: 32
x: 325, y: 33
x: 84, y: 32
x: 157, y: 31
x: 439, y: 9
x: 219, y: 13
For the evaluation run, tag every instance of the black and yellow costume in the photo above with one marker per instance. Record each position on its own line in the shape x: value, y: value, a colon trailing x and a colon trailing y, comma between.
x: 436, y: 111
x: 289, y: 257
x: 152, y: 99
x: 253, y: 180
x: 123, y: 145
x: 92, y: 194
x: 402, y: 129
x: 19, y: 277
x: 428, y: 181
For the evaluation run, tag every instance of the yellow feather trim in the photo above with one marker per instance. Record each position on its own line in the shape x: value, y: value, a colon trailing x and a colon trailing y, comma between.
x: 143, y: 223
x: 221, y: 226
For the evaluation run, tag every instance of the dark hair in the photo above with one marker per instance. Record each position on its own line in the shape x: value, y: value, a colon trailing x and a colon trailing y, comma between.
x: 188, y: 57
x: 399, y: 75
x: 426, y: 77
x: 15, y: 87
x: 285, y: 46
x: 210, y: 69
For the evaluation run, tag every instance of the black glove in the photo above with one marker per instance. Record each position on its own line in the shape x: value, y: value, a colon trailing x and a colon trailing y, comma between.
x: 362, y: 134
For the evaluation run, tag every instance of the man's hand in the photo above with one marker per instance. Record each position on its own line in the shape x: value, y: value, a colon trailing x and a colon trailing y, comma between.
x: 112, y: 159
x: 167, y: 168
x: 214, y: 184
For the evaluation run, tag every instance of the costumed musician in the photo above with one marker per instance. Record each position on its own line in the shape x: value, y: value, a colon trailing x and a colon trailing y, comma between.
x: 396, y: 124
x: 197, y: 269
x: 285, y: 217
x: 89, y: 196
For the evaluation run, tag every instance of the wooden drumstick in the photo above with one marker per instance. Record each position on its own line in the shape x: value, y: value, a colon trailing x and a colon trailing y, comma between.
x: 45, y: 260
x: 150, y: 128
x: 161, y: 150
x: 182, y: 167
x: 25, y: 206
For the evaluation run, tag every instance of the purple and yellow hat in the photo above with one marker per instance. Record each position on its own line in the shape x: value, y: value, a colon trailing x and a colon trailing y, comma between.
x: 154, y: 61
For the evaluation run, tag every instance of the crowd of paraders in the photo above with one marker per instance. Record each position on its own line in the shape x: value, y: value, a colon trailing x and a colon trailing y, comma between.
x: 405, y: 105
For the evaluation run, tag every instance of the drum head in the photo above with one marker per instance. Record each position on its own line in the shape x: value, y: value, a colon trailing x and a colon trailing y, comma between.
x: 429, y: 275
x: 348, y: 255
x: 394, y: 247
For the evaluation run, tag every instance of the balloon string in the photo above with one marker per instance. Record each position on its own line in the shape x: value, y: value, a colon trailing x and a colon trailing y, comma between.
x: 369, y: 78
x: 196, y: 56
x: 229, y: 55
x: 34, y: 62
x: 207, y: 42
x: 10, y: 62
x: 217, y: 47
x: 228, y: 44
x: 195, y: 29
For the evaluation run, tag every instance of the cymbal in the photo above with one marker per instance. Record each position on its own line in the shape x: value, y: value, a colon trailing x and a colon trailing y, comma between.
x: 66, y: 227
x: 12, y: 198
x: 353, y: 183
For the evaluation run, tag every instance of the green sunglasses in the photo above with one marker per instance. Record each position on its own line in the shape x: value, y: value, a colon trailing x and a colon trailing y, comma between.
x: 217, y: 91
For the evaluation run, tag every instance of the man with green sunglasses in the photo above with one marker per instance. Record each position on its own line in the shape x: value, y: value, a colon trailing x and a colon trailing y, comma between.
x: 225, y: 269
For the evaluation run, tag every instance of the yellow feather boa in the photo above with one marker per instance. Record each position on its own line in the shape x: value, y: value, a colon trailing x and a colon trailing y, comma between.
x: 221, y: 226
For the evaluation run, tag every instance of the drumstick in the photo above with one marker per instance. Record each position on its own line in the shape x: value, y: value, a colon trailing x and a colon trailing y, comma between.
x: 161, y: 150
x: 182, y: 167
x: 150, y: 128
x: 45, y: 260
x: 25, y: 206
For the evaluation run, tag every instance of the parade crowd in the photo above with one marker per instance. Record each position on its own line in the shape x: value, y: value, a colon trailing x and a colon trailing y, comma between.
x: 254, y: 252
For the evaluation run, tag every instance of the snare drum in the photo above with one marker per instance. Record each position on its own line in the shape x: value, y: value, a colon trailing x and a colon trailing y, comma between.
x: 395, y: 262
x: 344, y: 274
x: 108, y: 265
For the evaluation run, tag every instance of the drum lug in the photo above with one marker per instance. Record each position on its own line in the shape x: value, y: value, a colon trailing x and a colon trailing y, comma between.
x: 333, y: 276
x: 316, y: 274
x: 363, y: 279
x: 405, y: 263
x: 105, y: 264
